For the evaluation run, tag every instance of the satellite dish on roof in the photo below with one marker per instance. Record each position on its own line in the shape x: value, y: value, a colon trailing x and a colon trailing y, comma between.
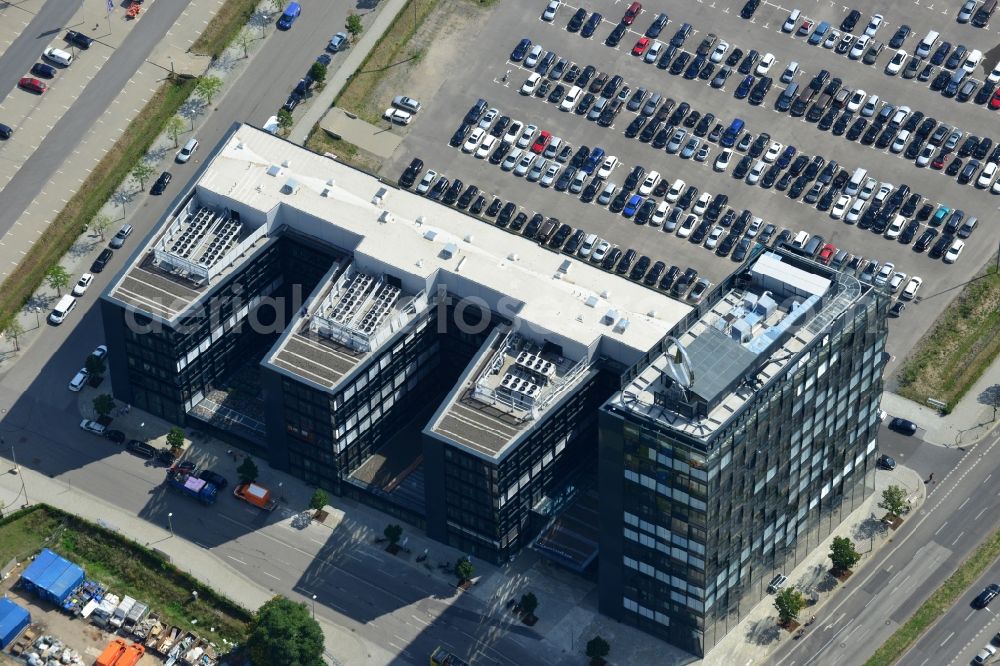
x: 679, y: 364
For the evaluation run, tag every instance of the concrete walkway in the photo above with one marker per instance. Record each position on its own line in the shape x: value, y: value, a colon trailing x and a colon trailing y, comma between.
x: 319, y: 105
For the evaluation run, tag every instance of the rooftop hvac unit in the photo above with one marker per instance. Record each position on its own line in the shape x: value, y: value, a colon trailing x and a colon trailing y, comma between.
x: 449, y: 251
x: 386, y: 217
x: 621, y: 326
x: 430, y: 234
x: 609, y: 317
x: 592, y: 301
x: 291, y: 186
x: 469, y: 239
x: 286, y: 163
x: 274, y: 170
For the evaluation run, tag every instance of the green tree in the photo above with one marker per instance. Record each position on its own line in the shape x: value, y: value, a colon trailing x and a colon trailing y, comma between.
x: 893, y: 500
x: 317, y: 72
x: 208, y: 87
x: 318, y: 500
x: 95, y: 366
x: 174, y: 127
x: 12, y: 328
x: 283, y: 632
x: 597, y: 649
x: 393, y: 533
x: 354, y: 25
x: 789, y: 603
x: 175, y: 438
x: 285, y: 120
x: 843, y: 555
x: 104, y: 404
x: 464, y: 570
x: 247, y: 470
x: 57, y: 277
x: 99, y: 224
x: 529, y: 604
x: 244, y: 40
x: 279, y: 5
x: 141, y: 172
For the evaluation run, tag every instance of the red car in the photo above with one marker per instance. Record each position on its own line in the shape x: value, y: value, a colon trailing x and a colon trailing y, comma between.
x: 995, y: 100
x: 34, y: 85
x: 939, y: 161
x: 640, y: 46
x: 630, y: 13
x: 542, y: 142
x: 826, y: 254
x: 804, y: 28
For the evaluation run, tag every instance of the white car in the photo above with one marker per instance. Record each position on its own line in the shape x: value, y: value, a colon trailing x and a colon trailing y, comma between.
x: 868, y: 189
x: 972, y: 61
x: 860, y: 44
x: 486, y: 146
x: 513, y: 131
x: 100, y: 352
x: 868, y: 110
x: 897, y: 280
x: 831, y: 40
x: 473, y: 141
x: 994, y: 76
x: 600, y: 251
x: 924, y: 158
x: 534, y: 54
x: 840, y: 208
x: 531, y: 83
x: 526, y: 136
x: 659, y: 214
x: 687, y: 226
x: 951, y: 256
x: 398, y: 116
x: 550, y: 10
x: 648, y: 185
x: 185, y: 153
x: 883, y: 191
x: 610, y: 162
x: 92, y: 427
x: 675, y: 191
x: 720, y: 51
x: 713, y: 237
x: 754, y: 228
x: 911, y: 288
x: 986, y: 177
x: 723, y: 159
x: 895, y: 227
x: 524, y: 164
x: 81, y: 286
x: 896, y: 64
x: 755, y: 171
x: 488, y: 118
x: 701, y: 205
x: 857, y: 99
x: 773, y: 151
x: 654, y: 51
x: 764, y: 66
x: 79, y: 380
x: 884, y: 274
x: 854, y: 212
x: 874, y: 24
x: 790, y: 22
x: 426, y: 182
x: 899, y: 142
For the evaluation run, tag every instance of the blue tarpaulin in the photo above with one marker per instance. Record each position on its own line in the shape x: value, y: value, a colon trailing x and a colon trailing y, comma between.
x: 52, y: 577
x: 13, y: 619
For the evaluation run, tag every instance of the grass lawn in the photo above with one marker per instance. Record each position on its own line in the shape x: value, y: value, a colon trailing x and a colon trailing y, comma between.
x: 390, y: 51
x: 938, y: 604
x: 224, y: 27
x: 102, y: 182
x: 955, y: 353
x: 321, y: 142
x: 126, y: 567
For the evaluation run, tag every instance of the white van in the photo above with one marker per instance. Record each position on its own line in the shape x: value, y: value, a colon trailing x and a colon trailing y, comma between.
x: 854, y: 184
x: 800, y: 239
x: 972, y: 61
x: 569, y: 101
x: 62, y: 308
x: 926, y: 44
x: 58, y: 56
x: 793, y: 17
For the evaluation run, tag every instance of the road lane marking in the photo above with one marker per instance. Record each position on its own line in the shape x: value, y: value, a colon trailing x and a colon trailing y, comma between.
x: 271, y: 575
x: 960, y: 535
x: 978, y: 515
x: 941, y: 528
x: 947, y: 639
x: 237, y: 560
x: 962, y: 505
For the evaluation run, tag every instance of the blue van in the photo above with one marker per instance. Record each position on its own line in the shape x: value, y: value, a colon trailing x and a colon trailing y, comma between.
x: 288, y: 17
x: 728, y: 139
x: 819, y: 33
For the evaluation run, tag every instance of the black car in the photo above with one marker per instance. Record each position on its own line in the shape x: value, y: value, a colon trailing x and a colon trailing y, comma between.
x: 870, y: 135
x: 692, y: 119
x: 591, y: 190
x: 668, y: 278
x: 925, y: 240
x: 161, y: 183
x: 518, y: 221
x: 983, y: 148
x: 116, y: 436
x: 985, y: 93
x: 742, y: 167
x: 942, y: 244
x: 986, y: 596
x: 954, y: 167
x: 749, y: 61
x: 141, y: 449
x: 440, y: 187
x: 656, y: 27
x: 850, y: 20
x: 503, y: 219
x: 586, y: 102
x: 43, y: 70
x: 293, y: 101
x: 585, y: 76
x: 760, y: 90
x: 909, y: 232
x: 494, y: 207
x: 616, y: 35
x: 749, y: 8
x: 79, y: 39
x: 5, y: 131
x: 648, y: 131
x: 611, y: 259
x: 940, y: 81
x: 639, y: 270
x: 618, y: 203
x: 477, y: 206
x: 633, y: 179
x: 940, y: 53
x: 842, y: 123
x: 102, y: 260
x: 899, y: 37
x: 565, y: 178
x: 214, y: 478
x: 591, y: 25
x: 687, y: 198
x: 534, y: 225
x: 680, y: 63
x: 500, y: 152
x: 458, y: 138
x: 701, y: 129
x: 467, y: 196
x: 576, y: 22
x: 654, y: 274
x: 762, y: 141
x: 826, y: 122
x: 626, y: 261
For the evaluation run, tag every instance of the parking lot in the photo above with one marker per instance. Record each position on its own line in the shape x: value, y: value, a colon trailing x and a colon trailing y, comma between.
x: 481, y: 61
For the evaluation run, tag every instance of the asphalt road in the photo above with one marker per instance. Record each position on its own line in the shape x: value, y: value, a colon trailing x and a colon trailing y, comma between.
x: 484, y: 61
x: 24, y: 51
x: 401, y: 608
x: 960, y: 510
x: 20, y: 192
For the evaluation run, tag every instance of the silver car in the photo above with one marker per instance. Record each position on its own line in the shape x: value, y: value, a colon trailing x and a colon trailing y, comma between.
x: 524, y: 164
x: 675, y: 141
x: 607, y: 194
x: 692, y: 145
x: 537, y: 167
x: 550, y: 175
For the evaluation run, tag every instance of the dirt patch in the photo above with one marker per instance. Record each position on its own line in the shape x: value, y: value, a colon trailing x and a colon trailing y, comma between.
x: 321, y: 142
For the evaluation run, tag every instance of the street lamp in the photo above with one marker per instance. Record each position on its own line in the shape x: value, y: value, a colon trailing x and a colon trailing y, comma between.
x: 314, y: 606
x: 170, y: 522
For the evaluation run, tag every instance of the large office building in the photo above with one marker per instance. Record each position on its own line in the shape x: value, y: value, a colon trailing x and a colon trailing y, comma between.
x: 737, y: 445
x: 470, y: 381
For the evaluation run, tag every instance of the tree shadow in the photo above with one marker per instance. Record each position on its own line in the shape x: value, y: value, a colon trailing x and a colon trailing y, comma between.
x: 764, y: 631
x: 870, y: 528
x: 84, y: 246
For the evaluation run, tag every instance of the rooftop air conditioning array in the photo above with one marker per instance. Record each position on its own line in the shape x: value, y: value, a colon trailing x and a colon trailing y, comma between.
x: 384, y: 300
x: 536, y: 365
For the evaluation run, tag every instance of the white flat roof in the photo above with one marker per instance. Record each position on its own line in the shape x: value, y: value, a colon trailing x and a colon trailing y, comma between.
x: 394, y: 232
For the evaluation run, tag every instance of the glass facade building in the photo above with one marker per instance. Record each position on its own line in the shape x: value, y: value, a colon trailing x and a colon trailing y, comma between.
x: 737, y: 445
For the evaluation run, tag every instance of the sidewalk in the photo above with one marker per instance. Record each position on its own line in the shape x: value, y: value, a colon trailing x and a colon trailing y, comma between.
x: 355, y: 56
x: 969, y: 422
